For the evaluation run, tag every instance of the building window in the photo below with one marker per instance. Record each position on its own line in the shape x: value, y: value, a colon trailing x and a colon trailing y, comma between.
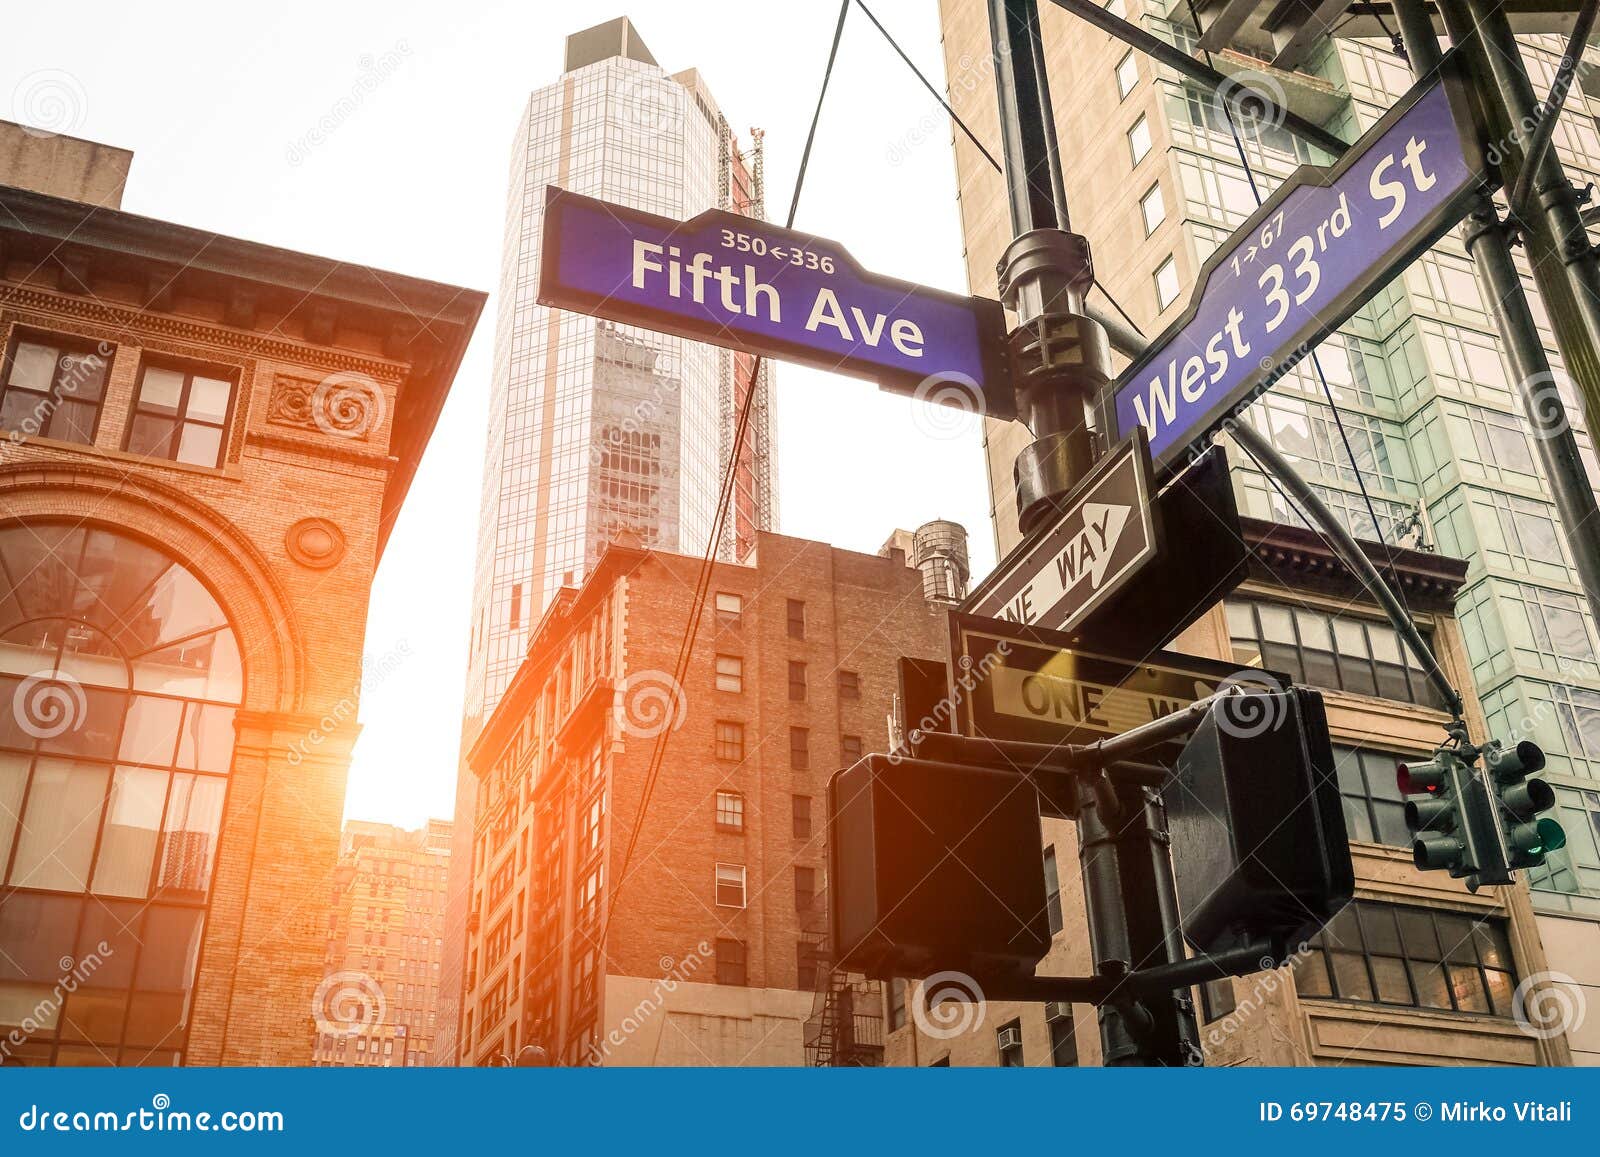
x: 728, y: 741
x: 1063, y: 1034
x: 806, y: 966
x: 797, y: 681
x: 729, y: 609
x: 731, y: 962
x: 1315, y: 647
x: 799, y: 749
x: 1422, y: 957
x: 850, y: 748
x: 802, y: 817
x: 111, y: 810
x: 1217, y: 999
x: 1139, y: 139
x: 849, y: 685
x: 181, y: 413
x: 805, y: 888
x: 730, y: 673
x: 730, y: 811
x: 1052, y: 890
x: 1008, y: 1042
x: 1152, y: 208
x: 1374, y: 810
x: 894, y: 995
x: 730, y: 885
x: 1166, y: 278
x: 53, y: 387
x: 796, y: 619
x: 1127, y: 73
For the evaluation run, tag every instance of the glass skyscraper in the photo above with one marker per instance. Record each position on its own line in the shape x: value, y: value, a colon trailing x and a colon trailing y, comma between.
x: 598, y: 430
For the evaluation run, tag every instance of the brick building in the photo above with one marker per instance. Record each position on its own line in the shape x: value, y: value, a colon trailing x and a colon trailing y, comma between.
x: 712, y: 953
x: 378, y: 1003
x: 206, y: 443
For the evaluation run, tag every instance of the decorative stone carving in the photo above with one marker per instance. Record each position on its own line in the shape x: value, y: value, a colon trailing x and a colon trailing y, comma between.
x: 315, y: 543
x: 343, y: 405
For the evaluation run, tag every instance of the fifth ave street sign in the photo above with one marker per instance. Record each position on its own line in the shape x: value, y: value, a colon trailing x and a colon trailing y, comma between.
x: 1105, y: 533
x: 1306, y: 260
x: 739, y: 282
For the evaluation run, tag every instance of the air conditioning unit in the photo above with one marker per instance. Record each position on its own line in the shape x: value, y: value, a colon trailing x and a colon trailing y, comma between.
x: 1057, y: 1010
x: 1009, y: 1037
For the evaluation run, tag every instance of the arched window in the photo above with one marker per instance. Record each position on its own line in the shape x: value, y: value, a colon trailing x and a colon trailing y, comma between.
x: 119, y: 679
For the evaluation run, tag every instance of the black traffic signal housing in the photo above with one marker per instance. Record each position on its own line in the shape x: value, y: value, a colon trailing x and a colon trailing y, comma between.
x: 935, y: 866
x: 1259, y: 845
x: 1528, y: 838
x: 1442, y: 832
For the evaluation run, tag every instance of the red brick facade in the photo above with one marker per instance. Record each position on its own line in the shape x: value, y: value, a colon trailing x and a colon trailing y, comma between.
x: 572, y: 739
x: 338, y: 373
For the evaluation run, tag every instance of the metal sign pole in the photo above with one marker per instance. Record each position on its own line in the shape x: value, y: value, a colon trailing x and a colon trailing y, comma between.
x: 1062, y: 363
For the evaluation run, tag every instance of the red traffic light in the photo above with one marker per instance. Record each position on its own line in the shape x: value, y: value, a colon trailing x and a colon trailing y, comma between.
x: 1417, y: 778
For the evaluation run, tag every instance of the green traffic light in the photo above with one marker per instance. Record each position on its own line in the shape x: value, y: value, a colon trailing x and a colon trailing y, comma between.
x: 1552, y: 837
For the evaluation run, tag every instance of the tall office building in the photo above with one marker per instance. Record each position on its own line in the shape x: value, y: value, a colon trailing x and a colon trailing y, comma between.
x: 597, y: 428
x: 1157, y: 178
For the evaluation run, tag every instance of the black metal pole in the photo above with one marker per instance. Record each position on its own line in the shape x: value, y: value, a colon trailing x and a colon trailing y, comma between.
x: 1572, y: 297
x: 1061, y: 355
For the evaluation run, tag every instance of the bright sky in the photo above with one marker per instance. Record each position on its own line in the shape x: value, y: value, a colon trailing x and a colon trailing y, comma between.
x: 214, y: 100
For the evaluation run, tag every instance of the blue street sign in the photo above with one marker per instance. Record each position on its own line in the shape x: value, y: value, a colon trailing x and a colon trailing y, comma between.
x: 1306, y: 260
x: 739, y: 282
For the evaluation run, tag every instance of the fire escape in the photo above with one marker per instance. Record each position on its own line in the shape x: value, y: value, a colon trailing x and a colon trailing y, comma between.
x: 846, y: 1025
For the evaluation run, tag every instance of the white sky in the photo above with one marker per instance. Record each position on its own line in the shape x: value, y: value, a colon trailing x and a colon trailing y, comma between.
x: 414, y: 181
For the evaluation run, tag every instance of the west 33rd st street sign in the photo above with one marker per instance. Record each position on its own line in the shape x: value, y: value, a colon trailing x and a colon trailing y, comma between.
x: 1306, y: 260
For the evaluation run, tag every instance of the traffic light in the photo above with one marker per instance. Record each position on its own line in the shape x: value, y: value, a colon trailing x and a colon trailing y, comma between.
x: 1439, y: 825
x: 1258, y: 838
x: 1527, y: 837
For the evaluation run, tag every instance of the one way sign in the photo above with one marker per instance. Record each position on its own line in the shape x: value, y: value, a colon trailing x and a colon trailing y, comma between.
x: 1059, y: 574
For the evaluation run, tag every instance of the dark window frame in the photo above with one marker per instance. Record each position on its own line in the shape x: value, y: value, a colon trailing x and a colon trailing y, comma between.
x: 849, y: 684
x: 64, y: 345
x: 732, y: 955
x: 795, y: 619
x: 799, y: 749
x: 718, y: 810
x: 797, y: 681
x: 729, y: 746
x: 190, y: 369
x: 800, y: 816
